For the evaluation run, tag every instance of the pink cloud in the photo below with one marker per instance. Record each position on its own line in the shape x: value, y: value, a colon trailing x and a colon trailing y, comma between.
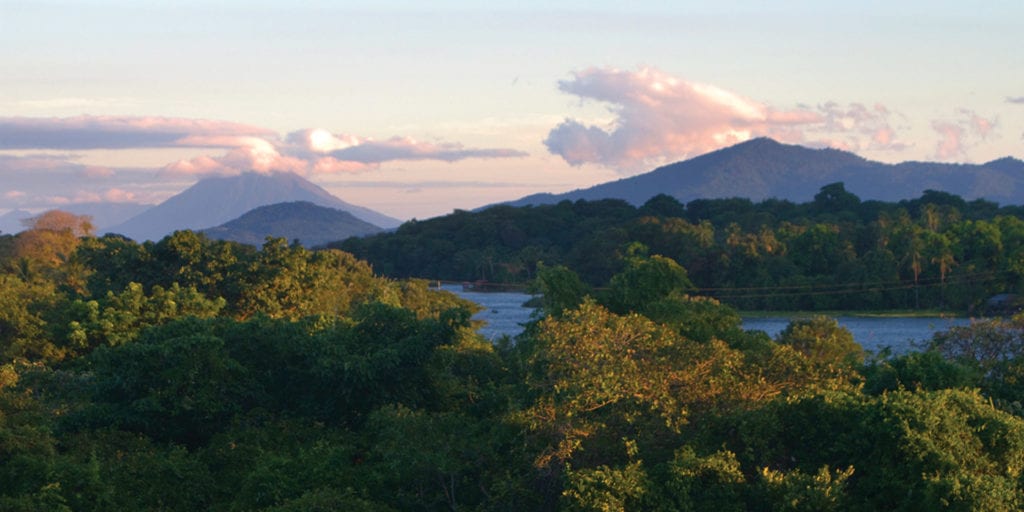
x: 248, y: 148
x: 85, y: 197
x: 117, y: 195
x: 36, y: 163
x: 406, y: 148
x: 318, y: 143
x: 956, y: 136
x: 260, y: 157
x: 658, y: 118
x: 950, y: 142
x: 330, y: 165
x: 857, y: 127
x: 197, y: 165
x: 97, y: 172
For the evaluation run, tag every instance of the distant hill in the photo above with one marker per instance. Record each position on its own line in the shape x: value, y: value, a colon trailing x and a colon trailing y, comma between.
x: 306, y: 222
x: 763, y: 168
x: 10, y: 222
x: 214, y: 201
x: 103, y: 215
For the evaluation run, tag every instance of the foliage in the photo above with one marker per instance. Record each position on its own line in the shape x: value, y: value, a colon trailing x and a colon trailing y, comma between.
x: 560, y: 289
x: 822, y: 340
x: 191, y: 374
x: 927, y: 370
x: 835, y: 252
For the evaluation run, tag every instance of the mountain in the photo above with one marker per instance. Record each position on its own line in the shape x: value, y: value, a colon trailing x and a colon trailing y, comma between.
x: 304, y: 221
x: 105, y: 215
x: 763, y: 168
x: 214, y: 201
x: 10, y: 222
x: 102, y: 214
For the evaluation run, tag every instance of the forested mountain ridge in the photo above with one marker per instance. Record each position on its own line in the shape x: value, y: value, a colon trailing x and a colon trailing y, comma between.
x: 834, y: 252
x: 306, y: 222
x: 192, y: 374
x: 763, y: 169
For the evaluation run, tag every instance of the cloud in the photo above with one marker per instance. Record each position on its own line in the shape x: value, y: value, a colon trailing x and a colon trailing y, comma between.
x: 856, y: 127
x: 251, y: 154
x: 320, y: 143
x: 27, y: 164
x: 97, y: 172
x: 403, y: 148
x: 1017, y: 99
x: 113, y: 195
x: 36, y: 181
x: 117, y: 195
x: 247, y: 148
x: 658, y: 117
x: 956, y: 136
x: 950, y: 142
x: 109, y: 132
x: 325, y: 153
x: 318, y: 151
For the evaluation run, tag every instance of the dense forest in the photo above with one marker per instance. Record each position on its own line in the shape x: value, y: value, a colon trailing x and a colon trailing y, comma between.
x: 836, y: 252
x: 191, y: 374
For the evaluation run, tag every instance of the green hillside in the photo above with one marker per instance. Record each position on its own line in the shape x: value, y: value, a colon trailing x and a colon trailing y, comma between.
x: 306, y: 222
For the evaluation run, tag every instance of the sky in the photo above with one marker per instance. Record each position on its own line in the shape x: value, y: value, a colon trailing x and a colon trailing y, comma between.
x: 417, y: 108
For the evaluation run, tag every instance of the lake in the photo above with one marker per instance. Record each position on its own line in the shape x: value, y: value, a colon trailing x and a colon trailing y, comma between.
x: 504, y: 314
x: 902, y: 335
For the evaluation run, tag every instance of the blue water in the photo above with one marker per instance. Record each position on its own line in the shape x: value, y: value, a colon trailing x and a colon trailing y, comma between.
x: 902, y: 335
x: 504, y: 314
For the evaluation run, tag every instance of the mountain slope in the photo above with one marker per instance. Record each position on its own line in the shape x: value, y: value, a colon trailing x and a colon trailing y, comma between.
x: 214, y: 201
x: 11, y: 222
x: 105, y: 215
x: 763, y: 168
x: 306, y: 222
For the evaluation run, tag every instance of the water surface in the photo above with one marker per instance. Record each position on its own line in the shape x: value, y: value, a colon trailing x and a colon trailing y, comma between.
x: 504, y: 314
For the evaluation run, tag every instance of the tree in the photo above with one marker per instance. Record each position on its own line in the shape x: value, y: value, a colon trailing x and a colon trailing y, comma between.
x: 57, y: 220
x: 597, y: 374
x: 646, y: 280
x: 23, y: 306
x: 181, y: 389
x: 560, y: 289
x: 925, y: 450
x: 115, y: 261
x: 822, y: 340
x: 833, y: 198
x: 50, y: 240
x: 119, y: 318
